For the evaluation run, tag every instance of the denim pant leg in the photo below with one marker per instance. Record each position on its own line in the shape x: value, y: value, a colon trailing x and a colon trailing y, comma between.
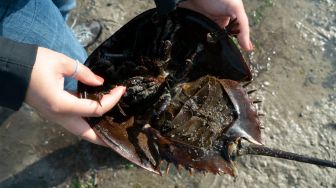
x: 65, y: 6
x: 40, y: 22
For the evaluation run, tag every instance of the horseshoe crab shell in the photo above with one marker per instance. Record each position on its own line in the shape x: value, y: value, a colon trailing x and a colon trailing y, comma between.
x: 184, y: 102
x: 192, y: 72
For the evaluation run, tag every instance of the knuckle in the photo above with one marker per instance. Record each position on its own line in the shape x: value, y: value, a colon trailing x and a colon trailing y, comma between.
x: 98, y: 113
x: 55, y: 108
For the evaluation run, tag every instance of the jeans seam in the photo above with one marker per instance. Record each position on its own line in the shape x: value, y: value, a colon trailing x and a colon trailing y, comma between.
x: 33, y: 19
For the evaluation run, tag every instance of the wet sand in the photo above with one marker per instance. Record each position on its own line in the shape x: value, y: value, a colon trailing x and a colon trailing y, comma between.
x: 295, y: 73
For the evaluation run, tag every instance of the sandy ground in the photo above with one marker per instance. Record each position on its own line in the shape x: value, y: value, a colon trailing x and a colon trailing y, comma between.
x: 295, y: 73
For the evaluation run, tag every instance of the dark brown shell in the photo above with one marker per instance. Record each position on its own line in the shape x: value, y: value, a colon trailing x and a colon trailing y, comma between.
x: 184, y: 102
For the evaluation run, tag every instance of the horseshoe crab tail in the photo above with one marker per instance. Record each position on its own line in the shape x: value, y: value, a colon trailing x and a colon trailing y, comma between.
x: 252, y: 149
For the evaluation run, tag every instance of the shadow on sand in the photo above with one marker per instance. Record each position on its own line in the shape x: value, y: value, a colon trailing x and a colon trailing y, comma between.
x: 65, y: 163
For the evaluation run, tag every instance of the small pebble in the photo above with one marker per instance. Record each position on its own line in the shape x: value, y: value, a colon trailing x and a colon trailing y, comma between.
x: 266, y: 83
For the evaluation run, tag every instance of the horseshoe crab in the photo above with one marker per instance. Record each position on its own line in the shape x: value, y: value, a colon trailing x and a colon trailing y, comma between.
x: 185, y: 102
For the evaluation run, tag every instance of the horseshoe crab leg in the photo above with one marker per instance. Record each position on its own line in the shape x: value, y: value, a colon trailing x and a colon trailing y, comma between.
x: 115, y: 55
x: 252, y: 149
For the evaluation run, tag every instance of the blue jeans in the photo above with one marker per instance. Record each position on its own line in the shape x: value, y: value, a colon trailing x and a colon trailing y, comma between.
x: 42, y: 22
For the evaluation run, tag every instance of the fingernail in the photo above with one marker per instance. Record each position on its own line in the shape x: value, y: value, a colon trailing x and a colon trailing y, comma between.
x: 250, y: 46
x: 123, y: 89
x: 100, y: 79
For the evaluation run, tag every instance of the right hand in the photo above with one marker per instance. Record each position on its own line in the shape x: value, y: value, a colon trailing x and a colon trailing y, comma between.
x: 221, y: 11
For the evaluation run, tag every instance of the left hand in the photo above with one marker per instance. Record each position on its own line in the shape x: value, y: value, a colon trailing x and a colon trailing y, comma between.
x: 47, y: 95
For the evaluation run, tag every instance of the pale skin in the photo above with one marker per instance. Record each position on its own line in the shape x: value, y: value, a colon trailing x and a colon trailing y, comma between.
x: 46, y: 88
x: 221, y: 11
x: 46, y: 94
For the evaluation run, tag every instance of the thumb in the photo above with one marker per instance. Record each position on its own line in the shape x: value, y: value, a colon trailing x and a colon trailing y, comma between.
x: 87, y: 107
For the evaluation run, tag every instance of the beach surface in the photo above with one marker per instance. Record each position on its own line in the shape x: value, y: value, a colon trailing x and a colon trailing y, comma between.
x: 294, y: 65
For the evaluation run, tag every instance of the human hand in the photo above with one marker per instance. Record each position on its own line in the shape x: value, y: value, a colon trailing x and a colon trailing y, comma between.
x: 47, y: 95
x: 221, y: 11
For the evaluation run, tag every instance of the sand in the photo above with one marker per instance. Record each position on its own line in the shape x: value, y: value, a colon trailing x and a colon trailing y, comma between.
x: 294, y: 65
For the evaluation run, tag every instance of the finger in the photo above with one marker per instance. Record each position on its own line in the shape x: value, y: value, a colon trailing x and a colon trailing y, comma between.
x: 222, y: 21
x: 70, y: 104
x: 244, y: 34
x: 86, y: 76
x: 91, y: 136
x: 78, y: 126
x: 82, y: 73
